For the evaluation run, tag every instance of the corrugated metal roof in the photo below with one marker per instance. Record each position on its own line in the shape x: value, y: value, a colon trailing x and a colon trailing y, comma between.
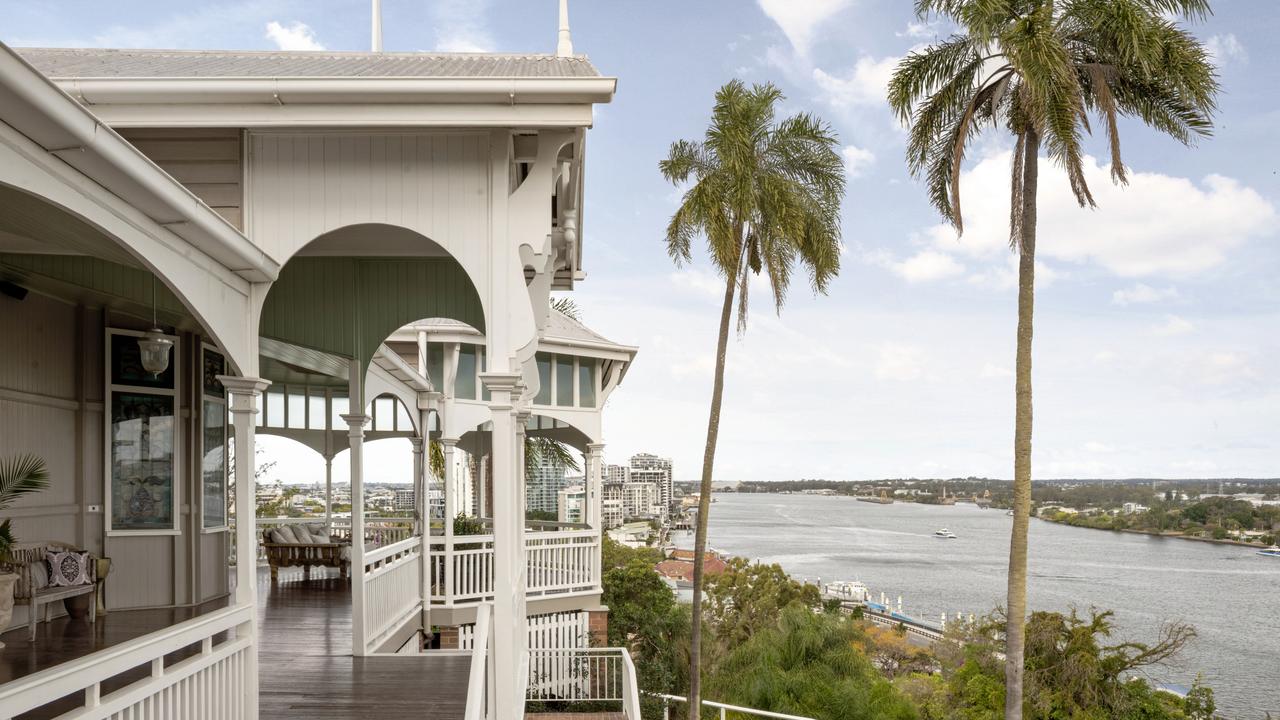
x: 68, y: 63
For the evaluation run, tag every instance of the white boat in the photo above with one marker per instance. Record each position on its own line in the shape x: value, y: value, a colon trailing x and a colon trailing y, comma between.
x: 850, y: 590
x: 945, y: 533
x: 1273, y: 551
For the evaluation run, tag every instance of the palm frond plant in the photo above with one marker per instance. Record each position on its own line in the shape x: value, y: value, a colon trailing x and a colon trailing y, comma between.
x: 19, y: 476
x: 1038, y: 69
x: 765, y: 194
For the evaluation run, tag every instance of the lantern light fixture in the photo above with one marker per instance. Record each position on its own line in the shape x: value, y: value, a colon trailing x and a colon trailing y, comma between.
x: 153, y: 345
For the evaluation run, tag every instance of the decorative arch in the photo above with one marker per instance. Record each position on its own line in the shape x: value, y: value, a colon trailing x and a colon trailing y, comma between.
x: 348, y: 304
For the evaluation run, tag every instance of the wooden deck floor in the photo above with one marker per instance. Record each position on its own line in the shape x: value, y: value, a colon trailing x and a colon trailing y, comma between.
x: 305, y: 665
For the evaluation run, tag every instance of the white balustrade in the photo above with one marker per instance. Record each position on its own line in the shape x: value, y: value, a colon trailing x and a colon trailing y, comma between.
x: 565, y: 676
x: 216, y: 682
x: 478, y: 686
x: 392, y: 589
x: 555, y: 563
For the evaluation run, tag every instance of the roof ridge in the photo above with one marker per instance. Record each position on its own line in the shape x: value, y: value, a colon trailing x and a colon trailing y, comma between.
x: 305, y: 53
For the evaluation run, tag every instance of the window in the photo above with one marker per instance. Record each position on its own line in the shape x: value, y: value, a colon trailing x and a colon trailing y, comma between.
x: 315, y: 410
x: 435, y: 365
x: 544, y: 380
x: 274, y: 410
x: 403, y: 422
x: 142, y: 440
x: 297, y: 408
x: 213, y: 444
x: 384, y: 414
x: 465, y: 386
x: 564, y: 380
x: 341, y: 406
x: 586, y: 382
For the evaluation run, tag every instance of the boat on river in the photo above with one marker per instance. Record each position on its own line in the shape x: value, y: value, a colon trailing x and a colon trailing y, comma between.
x: 944, y: 533
x: 1273, y: 551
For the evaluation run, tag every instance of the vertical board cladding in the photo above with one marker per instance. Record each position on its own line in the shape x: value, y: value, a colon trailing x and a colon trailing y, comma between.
x: 348, y: 306
x: 208, y: 161
x: 303, y: 185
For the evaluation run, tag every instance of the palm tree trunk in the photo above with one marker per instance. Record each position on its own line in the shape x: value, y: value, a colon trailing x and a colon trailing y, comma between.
x: 704, y: 497
x: 1015, y: 632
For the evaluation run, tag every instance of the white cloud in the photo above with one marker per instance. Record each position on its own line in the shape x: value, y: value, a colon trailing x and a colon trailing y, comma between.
x: 924, y: 266
x: 1157, y: 225
x: 1003, y: 275
x: 920, y: 30
x: 1094, y: 446
x: 798, y: 19
x: 856, y: 160
x: 866, y: 84
x: 1103, y: 357
x: 700, y: 281
x: 297, y: 36
x: 1227, y: 50
x: 896, y: 361
x: 460, y: 26
x: 1143, y: 293
x: 1173, y: 325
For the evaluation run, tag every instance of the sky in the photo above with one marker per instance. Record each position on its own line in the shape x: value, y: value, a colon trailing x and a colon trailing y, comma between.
x: 1157, y: 346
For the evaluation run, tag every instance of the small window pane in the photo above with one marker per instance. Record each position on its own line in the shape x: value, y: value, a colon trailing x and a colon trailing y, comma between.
x: 484, y: 391
x: 544, y: 380
x: 384, y: 414
x: 340, y: 408
x: 465, y: 387
x: 275, y: 408
x: 435, y: 365
x: 316, y: 415
x: 586, y: 382
x: 297, y: 409
x: 564, y: 380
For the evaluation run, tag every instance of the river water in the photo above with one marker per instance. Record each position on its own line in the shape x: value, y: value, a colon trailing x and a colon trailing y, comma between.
x: 1230, y: 594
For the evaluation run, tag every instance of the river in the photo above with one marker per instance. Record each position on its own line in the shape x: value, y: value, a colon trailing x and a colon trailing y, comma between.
x: 1230, y: 594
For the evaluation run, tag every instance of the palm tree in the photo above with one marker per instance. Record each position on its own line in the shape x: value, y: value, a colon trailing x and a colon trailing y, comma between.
x: 764, y: 194
x: 1039, y: 68
x: 19, y: 476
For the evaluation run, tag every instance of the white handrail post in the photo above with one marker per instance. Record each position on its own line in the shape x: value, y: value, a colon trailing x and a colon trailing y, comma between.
x: 244, y: 394
x: 355, y: 434
x: 449, y: 447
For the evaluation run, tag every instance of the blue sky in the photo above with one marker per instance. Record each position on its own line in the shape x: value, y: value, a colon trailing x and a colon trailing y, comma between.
x: 1157, y: 351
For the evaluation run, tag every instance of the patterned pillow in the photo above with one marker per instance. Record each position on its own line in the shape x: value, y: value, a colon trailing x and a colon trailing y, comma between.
x: 68, y: 568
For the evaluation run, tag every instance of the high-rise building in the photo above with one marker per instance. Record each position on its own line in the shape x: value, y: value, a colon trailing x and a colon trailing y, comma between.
x: 404, y: 499
x: 640, y: 499
x: 611, y: 514
x: 545, y: 480
x: 571, y: 504
x: 652, y: 469
x: 616, y: 474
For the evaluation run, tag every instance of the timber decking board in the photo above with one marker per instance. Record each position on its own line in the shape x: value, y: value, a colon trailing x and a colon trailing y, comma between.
x: 304, y: 658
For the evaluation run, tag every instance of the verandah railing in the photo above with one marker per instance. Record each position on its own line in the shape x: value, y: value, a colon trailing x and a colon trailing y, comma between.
x: 393, y: 589
x: 556, y: 562
x: 215, y: 682
x: 573, y: 677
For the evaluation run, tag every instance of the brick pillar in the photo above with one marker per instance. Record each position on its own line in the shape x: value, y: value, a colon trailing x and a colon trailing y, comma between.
x: 449, y: 639
x: 598, y: 626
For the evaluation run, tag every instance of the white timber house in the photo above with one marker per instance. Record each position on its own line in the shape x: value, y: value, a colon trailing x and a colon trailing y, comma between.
x: 339, y: 247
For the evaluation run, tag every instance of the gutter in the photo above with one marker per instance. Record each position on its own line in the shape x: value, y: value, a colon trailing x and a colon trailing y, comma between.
x: 321, y: 90
x: 181, y: 212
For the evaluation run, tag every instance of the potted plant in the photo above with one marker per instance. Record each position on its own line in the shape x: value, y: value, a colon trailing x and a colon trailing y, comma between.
x: 19, y: 476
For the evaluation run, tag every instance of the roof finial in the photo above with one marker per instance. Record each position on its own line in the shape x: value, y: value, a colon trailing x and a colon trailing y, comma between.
x: 377, y: 26
x: 564, y: 48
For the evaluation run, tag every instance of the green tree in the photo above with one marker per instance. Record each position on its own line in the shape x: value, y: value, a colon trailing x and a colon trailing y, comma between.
x: 809, y: 664
x: 748, y: 597
x: 764, y: 193
x: 645, y: 618
x: 1038, y: 68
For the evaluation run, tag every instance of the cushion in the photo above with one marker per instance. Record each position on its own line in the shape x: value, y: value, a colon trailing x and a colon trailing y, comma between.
x: 68, y: 568
x: 321, y: 538
x: 39, y: 575
x: 279, y: 537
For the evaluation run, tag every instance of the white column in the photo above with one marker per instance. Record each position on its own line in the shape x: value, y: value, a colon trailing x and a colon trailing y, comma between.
x: 419, y: 483
x: 243, y: 394
x: 594, y: 473
x: 448, y: 447
x: 510, y: 633
x: 328, y: 492
x: 355, y: 434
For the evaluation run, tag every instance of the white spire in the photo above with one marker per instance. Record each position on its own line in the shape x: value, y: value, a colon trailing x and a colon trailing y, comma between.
x: 564, y: 48
x: 377, y: 26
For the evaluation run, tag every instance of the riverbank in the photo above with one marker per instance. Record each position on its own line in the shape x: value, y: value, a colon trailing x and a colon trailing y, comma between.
x: 1147, y: 584
x: 1155, y: 533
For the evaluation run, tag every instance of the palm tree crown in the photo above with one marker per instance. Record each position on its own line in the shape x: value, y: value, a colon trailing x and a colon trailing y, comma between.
x: 764, y: 193
x: 1042, y: 66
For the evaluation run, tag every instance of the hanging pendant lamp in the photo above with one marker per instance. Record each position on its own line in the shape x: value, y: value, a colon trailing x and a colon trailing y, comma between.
x: 154, y: 346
